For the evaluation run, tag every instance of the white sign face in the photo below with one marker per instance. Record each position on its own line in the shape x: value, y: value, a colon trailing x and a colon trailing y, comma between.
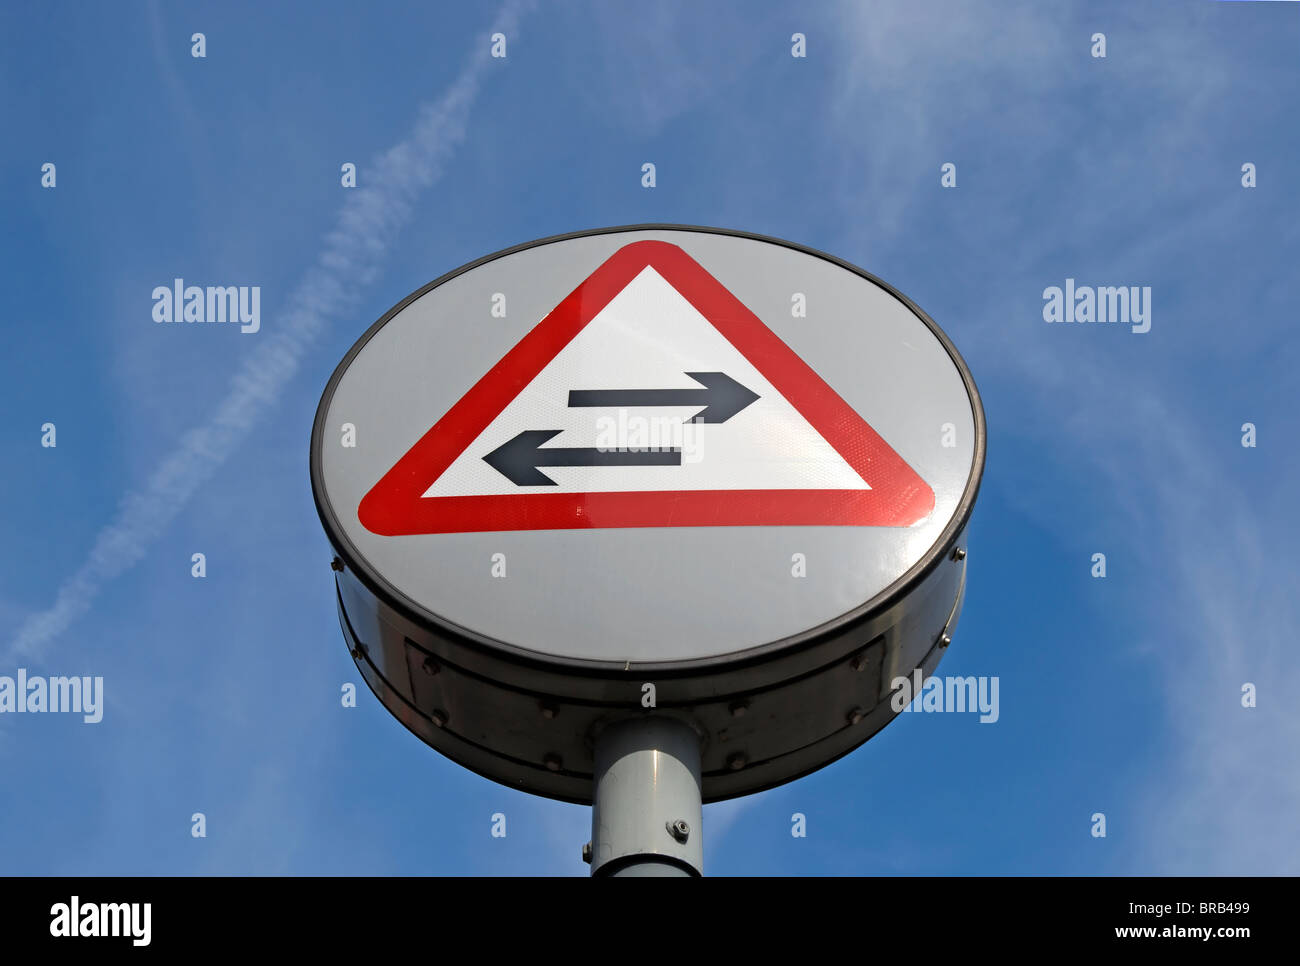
x: 675, y: 445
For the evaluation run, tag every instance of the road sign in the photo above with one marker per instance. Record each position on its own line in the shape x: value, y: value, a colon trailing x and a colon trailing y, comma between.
x: 714, y: 474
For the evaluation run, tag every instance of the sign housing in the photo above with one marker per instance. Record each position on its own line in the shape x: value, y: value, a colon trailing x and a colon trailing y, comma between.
x: 510, y: 580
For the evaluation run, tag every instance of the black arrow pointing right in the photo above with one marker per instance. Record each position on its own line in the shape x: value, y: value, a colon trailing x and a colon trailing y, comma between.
x: 722, y: 397
x: 518, y: 460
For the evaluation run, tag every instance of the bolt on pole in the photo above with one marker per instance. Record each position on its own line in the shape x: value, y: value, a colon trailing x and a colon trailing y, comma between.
x: 646, y: 815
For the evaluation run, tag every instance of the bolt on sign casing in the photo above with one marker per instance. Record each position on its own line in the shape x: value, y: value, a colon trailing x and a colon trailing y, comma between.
x: 712, y: 474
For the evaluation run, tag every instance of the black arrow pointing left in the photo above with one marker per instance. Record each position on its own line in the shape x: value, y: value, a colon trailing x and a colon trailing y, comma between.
x: 518, y: 460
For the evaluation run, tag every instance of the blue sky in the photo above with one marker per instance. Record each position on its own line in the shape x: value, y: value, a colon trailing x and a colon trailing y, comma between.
x: 1119, y: 695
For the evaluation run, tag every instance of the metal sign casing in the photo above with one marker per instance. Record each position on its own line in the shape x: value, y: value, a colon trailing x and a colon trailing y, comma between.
x: 510, y: 644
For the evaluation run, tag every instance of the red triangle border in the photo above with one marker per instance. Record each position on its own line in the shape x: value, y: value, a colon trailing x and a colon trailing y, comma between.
x: 899, y: 497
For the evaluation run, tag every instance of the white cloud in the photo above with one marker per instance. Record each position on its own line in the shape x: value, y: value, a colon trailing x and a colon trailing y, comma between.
x: 351, y: 258
x: 929, y: 79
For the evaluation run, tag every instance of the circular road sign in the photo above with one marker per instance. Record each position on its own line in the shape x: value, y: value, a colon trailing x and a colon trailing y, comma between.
x: 712, y: 473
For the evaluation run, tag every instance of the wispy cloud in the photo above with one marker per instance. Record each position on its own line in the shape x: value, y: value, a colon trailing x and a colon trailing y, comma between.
x: 196, y: 133
x: 351, y: 258
x: 720, y: 817
x: 1226, y: 802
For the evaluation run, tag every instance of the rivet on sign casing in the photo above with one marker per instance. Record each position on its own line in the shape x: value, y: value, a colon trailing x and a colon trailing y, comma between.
x: 959, y: 553
x: 737, y: 761
x: 856, y: 715
x: 336, y: 564
x: 944, y: 640
x: 586, y: 853
x: 859, y: 661
x: 439, y: 719
x: 679, y: 830
x: 553, y: 762
x: 358, y: 651
x: 430, y: 666
x: 738, y: 708
x: 549, y: 710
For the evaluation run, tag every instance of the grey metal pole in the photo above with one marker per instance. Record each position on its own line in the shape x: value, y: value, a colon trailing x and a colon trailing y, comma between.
x: 646, y: 816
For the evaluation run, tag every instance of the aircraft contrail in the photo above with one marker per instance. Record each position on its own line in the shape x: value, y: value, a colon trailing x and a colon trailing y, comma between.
x: 351, y: 258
